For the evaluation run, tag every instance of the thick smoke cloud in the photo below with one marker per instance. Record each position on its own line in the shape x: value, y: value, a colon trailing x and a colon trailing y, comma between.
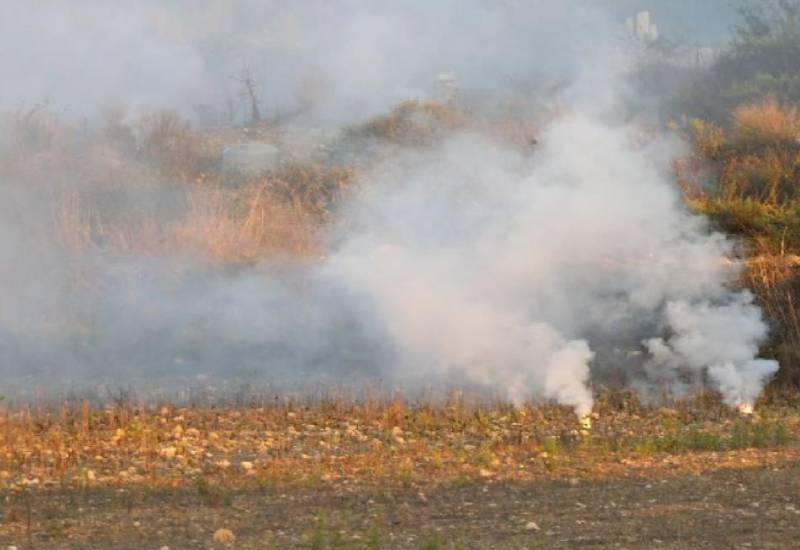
x: 528, y: 273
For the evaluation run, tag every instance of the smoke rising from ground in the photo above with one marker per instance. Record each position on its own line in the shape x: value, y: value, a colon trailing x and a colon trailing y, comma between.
x: 525, y: 274
x: 530, y: 273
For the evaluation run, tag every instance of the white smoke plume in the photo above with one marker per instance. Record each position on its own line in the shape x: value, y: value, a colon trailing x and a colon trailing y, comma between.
x: 516, y: 273
x: 721, y: 338
x: 533, y: 274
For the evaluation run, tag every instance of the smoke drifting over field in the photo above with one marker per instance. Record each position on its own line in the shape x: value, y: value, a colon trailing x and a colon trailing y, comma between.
x: 526, y: 272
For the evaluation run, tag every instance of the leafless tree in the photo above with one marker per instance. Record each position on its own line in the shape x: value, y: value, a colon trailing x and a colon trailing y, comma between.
x: 249, y: 90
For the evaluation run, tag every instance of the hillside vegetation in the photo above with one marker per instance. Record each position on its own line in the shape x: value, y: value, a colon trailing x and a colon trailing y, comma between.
x: 744, y: 168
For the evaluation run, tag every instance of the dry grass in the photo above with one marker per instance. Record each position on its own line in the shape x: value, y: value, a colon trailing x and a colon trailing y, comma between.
x: 411, y: 124
x: 84, y: 183
x: 276, y: 214
x: 708, y: 138
x: 746, y: 162
x: 766, y: 122
x: 763, y: 177
x: 246, y: 225
x: 376, y: 441
x: 169, y: 143
x: 774, y: 277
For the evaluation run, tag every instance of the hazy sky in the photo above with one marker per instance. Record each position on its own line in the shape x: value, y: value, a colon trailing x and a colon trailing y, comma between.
x: 178, y: 53
x: 707, y: 21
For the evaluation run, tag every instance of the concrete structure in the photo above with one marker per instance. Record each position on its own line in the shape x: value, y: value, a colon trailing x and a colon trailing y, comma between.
x: 642, y: 27
x: 448, y: 84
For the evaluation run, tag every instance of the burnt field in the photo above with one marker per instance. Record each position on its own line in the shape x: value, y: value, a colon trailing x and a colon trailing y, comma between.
x: 384, y: 474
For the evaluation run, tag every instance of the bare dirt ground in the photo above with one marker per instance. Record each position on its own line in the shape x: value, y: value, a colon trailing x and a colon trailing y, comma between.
x: 390, y: 477
x: 730, y: 508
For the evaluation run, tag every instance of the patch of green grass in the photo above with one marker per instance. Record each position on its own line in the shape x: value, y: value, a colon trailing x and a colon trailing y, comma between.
x: 744, y: 434
x: 374, y: 538
x: 318, y: 539
x: 645, y: 447
x: 552, y: 446
x: 212, y: 495
x: 322, y: 537
x: 757, y: 435
x: 202, y: 487
x: 433, y: 543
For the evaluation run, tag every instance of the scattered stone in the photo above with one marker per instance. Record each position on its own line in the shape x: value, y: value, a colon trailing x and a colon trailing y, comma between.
x: 397, y: 435
x: 532, y: 526
x: 168, y: 452
x: 225, y: 536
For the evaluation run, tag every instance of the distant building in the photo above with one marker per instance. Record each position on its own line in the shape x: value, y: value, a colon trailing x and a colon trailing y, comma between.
x: 448, y: 85
x: 641, y: 27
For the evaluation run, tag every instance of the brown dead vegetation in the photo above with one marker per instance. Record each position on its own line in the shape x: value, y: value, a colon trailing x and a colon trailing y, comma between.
x: 373, y: 441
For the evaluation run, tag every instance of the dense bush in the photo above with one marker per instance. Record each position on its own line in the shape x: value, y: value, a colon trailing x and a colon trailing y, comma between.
x: 762, y: 61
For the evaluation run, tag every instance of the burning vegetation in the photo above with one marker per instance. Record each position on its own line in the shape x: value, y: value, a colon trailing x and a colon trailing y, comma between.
x: 198, y: 303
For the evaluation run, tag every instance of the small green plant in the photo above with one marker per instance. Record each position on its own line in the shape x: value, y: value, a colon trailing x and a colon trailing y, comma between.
x: 374, y: 538
x: 697, y: 440
x: 202, y: 487
x: 485, y: 454
x: 645, y: 447
x: 551, y: 445
x: 318, y: 539
x: 321, y: 536
x: 433, y: 543
x: 212, y: 495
